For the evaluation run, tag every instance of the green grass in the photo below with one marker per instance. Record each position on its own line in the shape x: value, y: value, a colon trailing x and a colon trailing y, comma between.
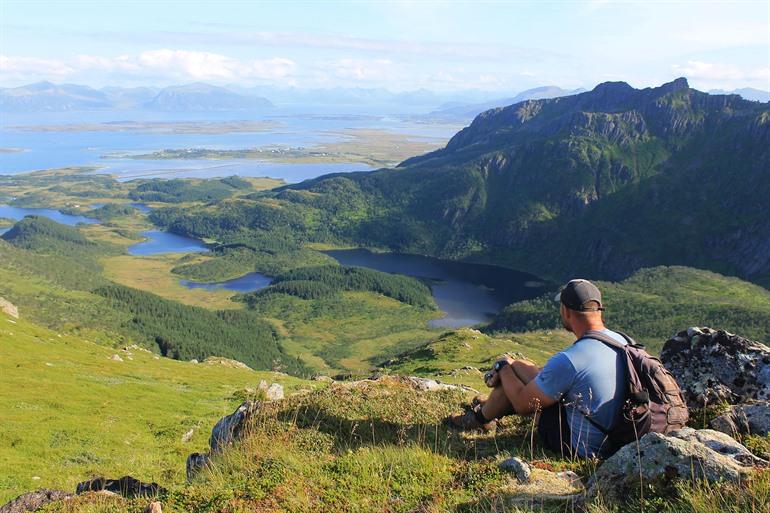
x: 70, y: 412
x: 383, y: 447
x: 463, y: 355
x: 349, y: 332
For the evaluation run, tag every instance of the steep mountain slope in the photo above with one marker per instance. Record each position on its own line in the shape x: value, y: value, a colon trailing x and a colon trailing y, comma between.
x: 600, y: 183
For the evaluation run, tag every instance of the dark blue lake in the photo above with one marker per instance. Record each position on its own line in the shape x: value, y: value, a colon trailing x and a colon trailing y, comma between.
x: 467, y: 293
x: 247, y: 283
x: 160, y: 242
x: 18, y: 214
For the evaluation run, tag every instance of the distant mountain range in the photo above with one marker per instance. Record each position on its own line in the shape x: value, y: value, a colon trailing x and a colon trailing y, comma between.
x: 45, y: 96
x: 747, y: 93
x: 459, y: 106
x: 597, y: 184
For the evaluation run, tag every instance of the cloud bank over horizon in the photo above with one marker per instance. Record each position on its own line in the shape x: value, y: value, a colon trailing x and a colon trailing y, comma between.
x: 435, y: 45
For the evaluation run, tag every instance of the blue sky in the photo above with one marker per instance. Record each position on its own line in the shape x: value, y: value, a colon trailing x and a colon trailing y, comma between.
x: 400, y: 45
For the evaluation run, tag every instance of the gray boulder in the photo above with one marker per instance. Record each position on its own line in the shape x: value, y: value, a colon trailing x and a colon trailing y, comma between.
x: 33, y: 501
x: 126, y: 486
x: 744, y: 419
x: 196, y: 462
x: 9, y: 308
x: 714, y: 367
x: 232, y: 427
x: 228, y: 430
x: 721, y: 443
x: 685, y: 454
x: 274, y: 392
x: 518, y: 468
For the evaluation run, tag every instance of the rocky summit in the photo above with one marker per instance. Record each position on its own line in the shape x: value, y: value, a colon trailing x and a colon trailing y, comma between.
x: 714, y: 366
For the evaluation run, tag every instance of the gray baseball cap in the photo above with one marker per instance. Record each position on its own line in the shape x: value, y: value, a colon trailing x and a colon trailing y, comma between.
x: 577, y: 293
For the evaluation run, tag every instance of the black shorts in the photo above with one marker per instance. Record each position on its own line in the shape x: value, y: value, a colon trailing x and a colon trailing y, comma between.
x: 553, y: 430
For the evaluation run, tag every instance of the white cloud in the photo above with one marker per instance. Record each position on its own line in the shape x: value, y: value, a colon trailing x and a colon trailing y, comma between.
x: 14, y: 68
x: 159, y: 64
x: 720, y: 72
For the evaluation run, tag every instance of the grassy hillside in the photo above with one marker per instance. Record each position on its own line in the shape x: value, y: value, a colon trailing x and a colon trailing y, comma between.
x: 383, y: 447
x: 70, y: 411
x: 654, y: 304
x: 58, y: 281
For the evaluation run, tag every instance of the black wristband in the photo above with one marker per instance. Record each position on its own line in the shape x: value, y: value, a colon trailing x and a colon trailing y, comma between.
x: 499, y: 365
x: 502, y: 363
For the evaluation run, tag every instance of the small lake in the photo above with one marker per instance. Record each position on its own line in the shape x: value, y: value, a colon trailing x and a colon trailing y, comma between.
x: 246, y: 283
x: 141, y: 207
x: 160, y: 242
x: 467, y: 293
x: 18, y: 213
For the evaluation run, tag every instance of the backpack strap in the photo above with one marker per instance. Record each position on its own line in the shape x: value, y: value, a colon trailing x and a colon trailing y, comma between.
x: 610, y: 341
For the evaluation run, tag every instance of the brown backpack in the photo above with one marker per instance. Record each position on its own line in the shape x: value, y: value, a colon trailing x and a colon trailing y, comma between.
x: 654, y: 402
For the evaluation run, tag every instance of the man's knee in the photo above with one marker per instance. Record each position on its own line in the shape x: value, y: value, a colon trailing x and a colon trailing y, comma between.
x: 525, y: 370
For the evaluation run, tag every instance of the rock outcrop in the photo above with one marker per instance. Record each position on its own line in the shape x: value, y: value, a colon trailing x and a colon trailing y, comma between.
x: 273, y: 392
x: 225, y: 432
x: 684, y: 454
x: 744, y: 419
x: 32, y: 501
x: 9, y: 308
x: 518, y: 468
x: 714, y: 367
x: 126, y: 486
x: 232, y: 427
x: 226, y: 362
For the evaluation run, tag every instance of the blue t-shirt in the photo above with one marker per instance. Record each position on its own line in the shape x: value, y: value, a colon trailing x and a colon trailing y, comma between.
x: 591, y: 378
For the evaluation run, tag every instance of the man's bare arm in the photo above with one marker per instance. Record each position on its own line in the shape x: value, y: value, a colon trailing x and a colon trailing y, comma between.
x: 525, y: 398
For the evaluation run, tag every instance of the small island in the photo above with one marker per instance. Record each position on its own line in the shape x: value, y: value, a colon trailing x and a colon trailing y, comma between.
x: 375, y: 147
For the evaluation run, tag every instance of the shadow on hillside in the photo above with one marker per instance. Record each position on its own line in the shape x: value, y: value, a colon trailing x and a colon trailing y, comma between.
x: 351, y: 434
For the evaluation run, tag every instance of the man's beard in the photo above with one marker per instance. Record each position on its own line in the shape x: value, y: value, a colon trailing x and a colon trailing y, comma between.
x: 566, y: 326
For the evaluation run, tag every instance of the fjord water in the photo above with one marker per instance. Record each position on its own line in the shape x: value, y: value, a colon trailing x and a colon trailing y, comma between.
x: 467, y: 293
x: 43, y: 147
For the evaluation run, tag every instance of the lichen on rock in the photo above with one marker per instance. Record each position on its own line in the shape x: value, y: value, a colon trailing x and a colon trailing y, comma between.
x: 714, y: 366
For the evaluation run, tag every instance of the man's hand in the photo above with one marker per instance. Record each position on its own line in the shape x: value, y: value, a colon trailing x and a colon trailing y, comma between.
x: 491, y: 379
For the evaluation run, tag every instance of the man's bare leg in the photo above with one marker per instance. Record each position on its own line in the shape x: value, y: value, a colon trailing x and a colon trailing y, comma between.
x: 497, y: 404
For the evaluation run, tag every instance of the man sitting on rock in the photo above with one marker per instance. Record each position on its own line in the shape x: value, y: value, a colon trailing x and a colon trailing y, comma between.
x: 578, y: 387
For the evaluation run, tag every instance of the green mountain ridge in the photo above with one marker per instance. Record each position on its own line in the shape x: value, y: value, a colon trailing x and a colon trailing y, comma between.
x: 600, y: 184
